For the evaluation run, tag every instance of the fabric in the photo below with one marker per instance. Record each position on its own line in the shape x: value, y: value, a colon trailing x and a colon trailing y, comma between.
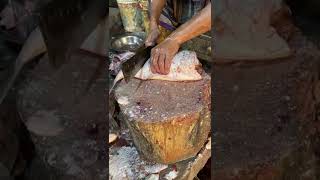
x: 187, y: 9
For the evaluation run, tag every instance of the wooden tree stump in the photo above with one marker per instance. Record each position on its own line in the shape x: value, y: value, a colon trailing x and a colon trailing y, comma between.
x: 169, y: 121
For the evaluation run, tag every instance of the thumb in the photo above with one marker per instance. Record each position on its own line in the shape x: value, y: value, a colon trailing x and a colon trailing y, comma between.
x: 148, y: 43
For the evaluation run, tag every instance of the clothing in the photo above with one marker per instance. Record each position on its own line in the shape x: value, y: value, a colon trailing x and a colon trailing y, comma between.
x: 177, y: 12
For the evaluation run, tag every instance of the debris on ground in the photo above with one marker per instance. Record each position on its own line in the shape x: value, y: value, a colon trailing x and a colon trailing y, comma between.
x: 126, y: 163
x: 69, y: 137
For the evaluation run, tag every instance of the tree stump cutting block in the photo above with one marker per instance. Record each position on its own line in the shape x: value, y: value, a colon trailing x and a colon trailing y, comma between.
x: 169, y: 121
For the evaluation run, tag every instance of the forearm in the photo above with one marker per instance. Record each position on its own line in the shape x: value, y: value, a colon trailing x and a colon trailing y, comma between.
x: 196, y: 26
x: 156, y: 9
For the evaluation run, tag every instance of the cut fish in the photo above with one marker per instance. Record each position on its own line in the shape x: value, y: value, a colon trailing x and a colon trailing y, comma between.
x: 183, y: 68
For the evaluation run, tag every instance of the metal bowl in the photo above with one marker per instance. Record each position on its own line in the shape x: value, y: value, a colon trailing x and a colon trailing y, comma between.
x: 128, y: 42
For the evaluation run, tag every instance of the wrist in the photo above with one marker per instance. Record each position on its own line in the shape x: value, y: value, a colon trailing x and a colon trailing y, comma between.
x: 173, y: 42
x: 153, y: 26
x: 154, y: 22
x: 175, y: 39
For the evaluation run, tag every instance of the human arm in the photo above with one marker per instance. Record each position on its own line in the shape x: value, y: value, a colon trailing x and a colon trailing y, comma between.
x: 163, y: 53
x: 156, y: 8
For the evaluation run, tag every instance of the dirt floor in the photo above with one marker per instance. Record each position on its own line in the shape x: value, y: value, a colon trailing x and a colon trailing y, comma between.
x: 68, y: 127
x: 257, y: 120
x: 252, y: 120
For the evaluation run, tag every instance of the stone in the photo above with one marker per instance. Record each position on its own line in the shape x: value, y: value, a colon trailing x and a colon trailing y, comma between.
x: 171, y: 125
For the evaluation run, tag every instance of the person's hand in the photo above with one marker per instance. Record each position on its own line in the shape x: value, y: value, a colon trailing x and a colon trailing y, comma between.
x: 162, y: 55
x: 153, y: 35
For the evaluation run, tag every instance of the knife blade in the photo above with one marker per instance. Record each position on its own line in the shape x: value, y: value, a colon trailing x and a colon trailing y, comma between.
x: 131, y: 67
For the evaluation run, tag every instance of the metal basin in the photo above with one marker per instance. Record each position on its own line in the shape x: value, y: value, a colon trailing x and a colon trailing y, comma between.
x: 127, y: 42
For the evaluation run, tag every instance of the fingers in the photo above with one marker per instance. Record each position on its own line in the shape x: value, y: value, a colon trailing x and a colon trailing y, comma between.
x: 161, y: 62
x: 167, y: 65
x: 158, y: 62
x: 152, y: 38
x: 162, y: 56
x: 153, y: 70
x: 149, y: 42
x: 155, y: 66
x: 151, y: 61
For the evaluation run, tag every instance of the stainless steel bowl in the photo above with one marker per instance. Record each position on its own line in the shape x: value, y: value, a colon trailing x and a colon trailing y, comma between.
x: 128, y: 42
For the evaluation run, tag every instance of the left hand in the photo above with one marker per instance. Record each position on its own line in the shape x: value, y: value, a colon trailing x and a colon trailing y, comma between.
x: 162, y: 55
x: 153, y: 34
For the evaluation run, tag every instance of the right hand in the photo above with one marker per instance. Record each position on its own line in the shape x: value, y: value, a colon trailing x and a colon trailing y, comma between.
x: 162, y: 56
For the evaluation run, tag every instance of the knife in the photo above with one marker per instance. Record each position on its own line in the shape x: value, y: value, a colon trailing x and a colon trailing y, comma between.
x: 131, y: 67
